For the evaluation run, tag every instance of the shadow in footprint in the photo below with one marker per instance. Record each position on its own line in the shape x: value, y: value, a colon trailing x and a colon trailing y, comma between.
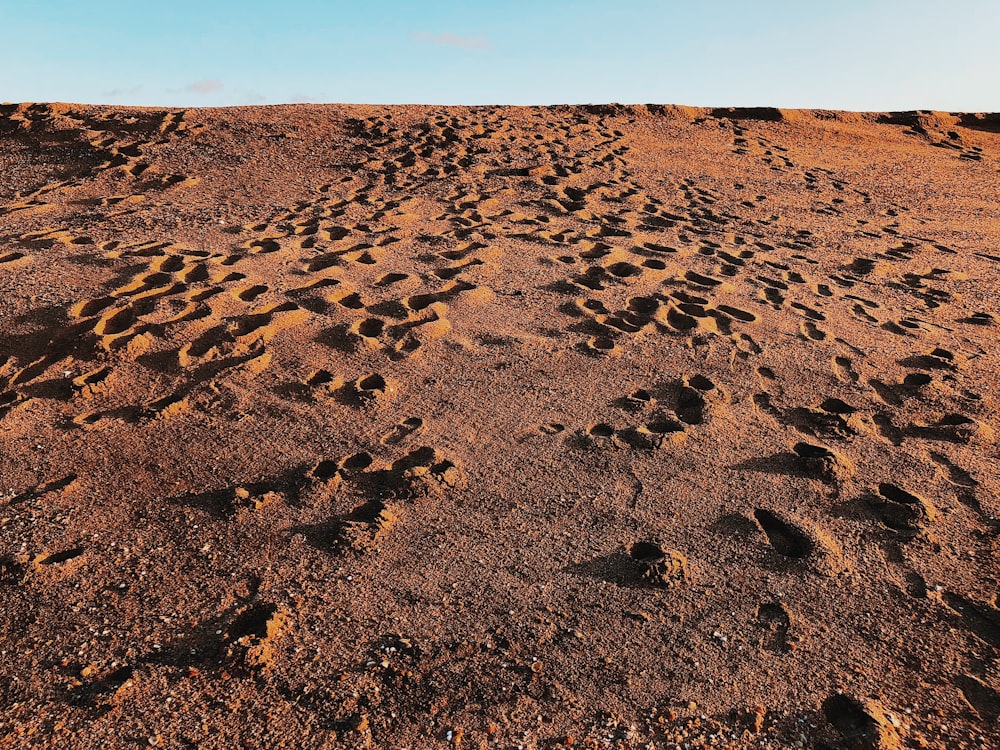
x: 690, y: 405
x: 338, y: 337
x: 734, y: 525
x: 321, y: 536
x: 859, y: 727
x: 983, y: 699
x: 786, y: 463
x: 95, y: 695
x: 774, y: 620
x: 819, y: 423
x: 225, y: 502
x: 785, y: 538
x: 979, y: 618
x: 617, y: 568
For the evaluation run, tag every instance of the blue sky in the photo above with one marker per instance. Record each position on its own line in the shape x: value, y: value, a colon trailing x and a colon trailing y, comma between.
x: 837, y: 54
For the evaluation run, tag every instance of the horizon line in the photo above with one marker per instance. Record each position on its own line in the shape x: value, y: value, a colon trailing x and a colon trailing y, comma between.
x: 708, y: 108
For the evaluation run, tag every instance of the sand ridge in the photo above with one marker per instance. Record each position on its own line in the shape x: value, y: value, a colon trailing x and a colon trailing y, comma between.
x: 600, y: 426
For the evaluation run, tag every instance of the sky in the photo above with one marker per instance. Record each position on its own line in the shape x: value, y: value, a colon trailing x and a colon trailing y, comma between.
x: 871, y: 55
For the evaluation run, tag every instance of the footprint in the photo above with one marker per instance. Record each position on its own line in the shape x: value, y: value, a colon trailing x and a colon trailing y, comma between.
x: 115, y: 322
x: 701, y: 280
x: 812, y: 332
x: 837, y: 406
x: 264, y: 245
x: 367, y: 525
x: 601, y: 346
x: 808, y: 311
x: 372, y: 389
x: 776, y: 298
x: 638, y: 400
x: 91, y: 384
x: 57, y: 558
x: 979, y: 319
x: 821, y: 462
x: 370, y: 328
x: 937, y: 358
x: 403, y: 430
x: 680, y: 321
x: 691, y: 404
x: 983, y: 699
x: 821, y: 422
x: 624, y: 270
x: 863, y: 725
x: 903, y: 511
x: 142, y: 283
x: 886, y: 392
x: 391, y: 278
x: 914, y: 382
x: 887, y: 429
x: 743, y: 316
x: 859, y: 312
x: 418, y: 302
x: 601, y: 431
x: 351, y: 301
x: 354, y: 463
x: 658, y: 566
x: 660, y: 428
x: 169, y: 406
x: 785, y: 538
x: 87, y: 308
x: 88, y: 420
x: 745, y: 343
x: 843, y: 369
x: 250, y: 293
x: 247, y: 639
x: 198, y: 273
x: 980, y: 618
x: 962, y: 479
x: 914, y: 584
x: 774, y: 619
x: 323, y: 380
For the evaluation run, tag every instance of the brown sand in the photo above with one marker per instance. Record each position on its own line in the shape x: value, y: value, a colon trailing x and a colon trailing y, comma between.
x: 329, y: 426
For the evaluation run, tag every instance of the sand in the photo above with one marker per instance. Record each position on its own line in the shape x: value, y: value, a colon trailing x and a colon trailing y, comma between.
x: 415, y: 427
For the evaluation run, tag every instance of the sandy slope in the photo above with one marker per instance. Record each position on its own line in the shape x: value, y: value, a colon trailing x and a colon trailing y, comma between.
x: 330, y: 426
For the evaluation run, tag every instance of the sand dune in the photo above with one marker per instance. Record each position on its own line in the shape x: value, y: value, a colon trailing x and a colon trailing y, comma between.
x: 606, y: 426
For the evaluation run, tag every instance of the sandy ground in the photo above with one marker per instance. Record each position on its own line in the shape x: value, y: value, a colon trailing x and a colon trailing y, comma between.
x: 416, y: 427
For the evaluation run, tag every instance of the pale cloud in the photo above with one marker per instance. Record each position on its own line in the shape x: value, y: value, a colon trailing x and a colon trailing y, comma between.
x: 452, y: 40
x: 204, y: 86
